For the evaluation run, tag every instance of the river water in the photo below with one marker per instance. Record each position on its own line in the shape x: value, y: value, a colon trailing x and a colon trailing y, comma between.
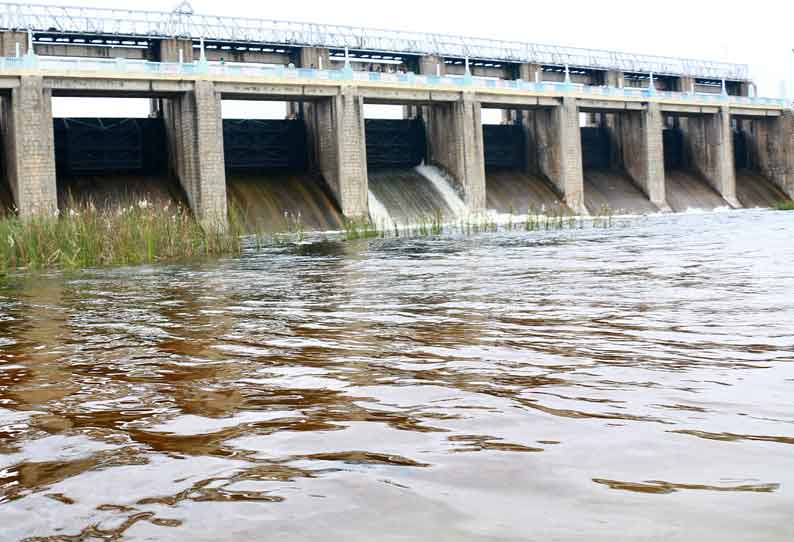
x: 633, y: 383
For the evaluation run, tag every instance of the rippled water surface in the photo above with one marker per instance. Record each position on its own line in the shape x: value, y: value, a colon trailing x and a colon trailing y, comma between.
x: 635, y: 383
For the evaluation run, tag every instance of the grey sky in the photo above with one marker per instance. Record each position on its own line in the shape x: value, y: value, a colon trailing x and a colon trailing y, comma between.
x: 757, y: 33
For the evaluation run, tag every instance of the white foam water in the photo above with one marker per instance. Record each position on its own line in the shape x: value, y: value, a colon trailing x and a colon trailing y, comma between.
x: 442, y: 183
x: 378, y: 213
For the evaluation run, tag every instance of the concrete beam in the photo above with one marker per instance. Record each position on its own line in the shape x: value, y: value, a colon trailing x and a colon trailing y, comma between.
x: 76, y: 50
x: 29, y: 144
x: 690, y: 109
x: 456, y: 144
x: 594, y: 106
x: 117, y: 88
x: 755, y: 112
x: 508, y: 101
x: 256, y: 57
x: 195, y: 133
x: 338, y: 140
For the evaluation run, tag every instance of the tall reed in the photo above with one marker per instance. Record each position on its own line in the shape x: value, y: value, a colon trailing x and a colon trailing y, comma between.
x: 87, y: 236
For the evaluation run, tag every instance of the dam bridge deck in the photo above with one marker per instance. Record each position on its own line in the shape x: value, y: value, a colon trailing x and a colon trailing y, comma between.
x: 86, y: 77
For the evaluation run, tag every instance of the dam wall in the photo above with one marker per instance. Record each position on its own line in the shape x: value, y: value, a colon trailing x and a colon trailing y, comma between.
x: 444, y: 114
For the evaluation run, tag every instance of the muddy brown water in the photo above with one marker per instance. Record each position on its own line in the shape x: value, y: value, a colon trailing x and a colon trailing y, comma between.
x: 633, y: 383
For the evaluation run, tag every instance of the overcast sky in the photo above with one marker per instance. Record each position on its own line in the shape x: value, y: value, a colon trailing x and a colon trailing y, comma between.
x: 759, y: 33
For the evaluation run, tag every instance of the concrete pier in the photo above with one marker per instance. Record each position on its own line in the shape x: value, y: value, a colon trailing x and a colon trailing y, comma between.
x: 28, y: 142
x: 195, y: 134
x: 641, y: 150
x: 554, y: 149
x: 771, y: 147
x: 456, y: 145
x: 337, y: 127
x: 709, y: 143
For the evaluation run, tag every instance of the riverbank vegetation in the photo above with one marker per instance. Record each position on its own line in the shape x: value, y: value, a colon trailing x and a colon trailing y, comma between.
x: 88, y: 236
x: 85, y: 236
x: 785, y: 205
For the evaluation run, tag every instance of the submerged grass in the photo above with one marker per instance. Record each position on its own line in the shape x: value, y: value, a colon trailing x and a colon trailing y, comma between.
x: 434, y: 225
x: 87, y: 236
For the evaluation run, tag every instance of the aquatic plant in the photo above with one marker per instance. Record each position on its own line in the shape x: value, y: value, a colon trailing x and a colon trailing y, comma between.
x: 85, y: 235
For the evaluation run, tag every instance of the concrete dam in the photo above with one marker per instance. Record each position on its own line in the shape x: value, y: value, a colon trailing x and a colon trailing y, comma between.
x: 580, y: 131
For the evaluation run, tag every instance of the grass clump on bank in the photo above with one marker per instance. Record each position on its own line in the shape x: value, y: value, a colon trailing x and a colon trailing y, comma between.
x: 87, y: 236
x: 785, y: 205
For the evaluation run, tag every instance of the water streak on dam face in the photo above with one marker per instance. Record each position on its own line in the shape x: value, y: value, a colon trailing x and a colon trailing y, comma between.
x: 412, y: 196
x: 402, y: 190
x: 268, y: 180
x: 280, y: 201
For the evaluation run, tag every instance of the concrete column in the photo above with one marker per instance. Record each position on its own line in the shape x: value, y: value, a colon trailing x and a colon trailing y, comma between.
x: 554, y: 150
x: 432, y: 65
x: 456, y: 144
x: 317, y: 58
x: 772, y: 149
x: 9, y: 40
x: 684, y: 84
x: 710, y: 146
x: 642, y: 151
x: 195, y: 133
x: 170, y: 49
x: 29, y: 145
x: 615, y: 78
x: 339, y: 148
x: 530, y: 72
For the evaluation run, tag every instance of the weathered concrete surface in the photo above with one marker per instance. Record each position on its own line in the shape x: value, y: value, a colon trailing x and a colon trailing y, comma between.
x: 337, y: 137
x: 28, y: 140
x: 9, y: 41
x: 170, y: 49
x: 771, y: 144
x: 641, y: 151
x: 554, y: 150
x: 317, y: 58
x: 455, y: 140
x: 195, y: 133
x: 709, y: 145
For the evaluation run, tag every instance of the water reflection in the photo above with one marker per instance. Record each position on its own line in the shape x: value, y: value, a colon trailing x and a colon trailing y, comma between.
x: 608, y: 383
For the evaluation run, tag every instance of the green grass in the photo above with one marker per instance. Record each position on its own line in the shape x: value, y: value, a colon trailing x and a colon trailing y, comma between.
x: 785, y: 205
x: 86, y: 236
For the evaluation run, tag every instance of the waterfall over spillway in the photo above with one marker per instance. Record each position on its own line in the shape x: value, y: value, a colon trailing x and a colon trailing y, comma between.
x: 403, y: 197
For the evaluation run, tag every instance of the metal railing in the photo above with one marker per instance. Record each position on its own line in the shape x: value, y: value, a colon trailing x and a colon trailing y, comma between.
x: 121, y: 66
x: 185, y: 23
